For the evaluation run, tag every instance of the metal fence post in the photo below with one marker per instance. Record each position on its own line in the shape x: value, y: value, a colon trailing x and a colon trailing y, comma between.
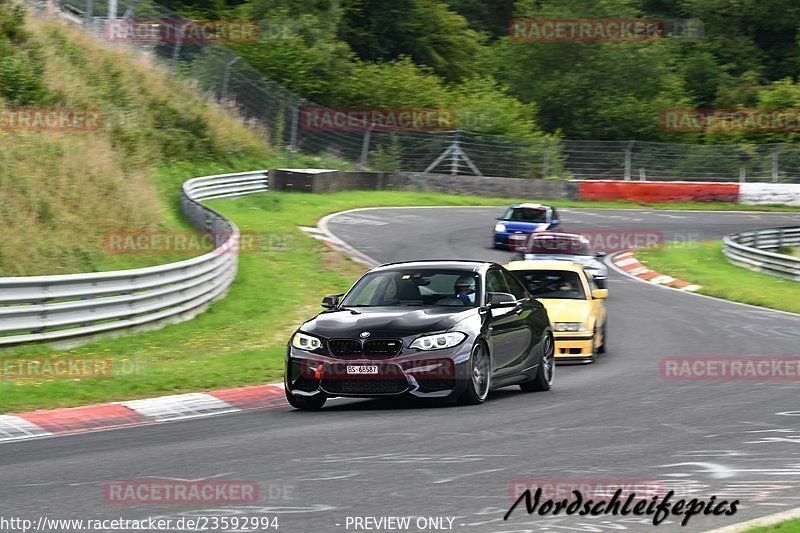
x: 741, y: 175
x: 226, y: 77
x: 293, y: 134
x: 454, y: 154
x: 628, y: 154
x: 89, y: 21
x: 112, y: 9
x: 775, y: 163
x: 642, y: 174
x: 176, y: 51
x: 546, y: 160
x: 362, y: 165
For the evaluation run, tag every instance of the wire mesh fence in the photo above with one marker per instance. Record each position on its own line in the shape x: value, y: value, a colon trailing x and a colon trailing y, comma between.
x: 217, y: 69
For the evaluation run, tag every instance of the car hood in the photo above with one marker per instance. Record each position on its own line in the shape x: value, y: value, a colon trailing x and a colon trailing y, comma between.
x: 383, y: 321
x: 512, y: 226
x: 567, y: 310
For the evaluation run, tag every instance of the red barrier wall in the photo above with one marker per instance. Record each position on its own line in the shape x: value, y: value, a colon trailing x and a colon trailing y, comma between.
x: 659, y: 191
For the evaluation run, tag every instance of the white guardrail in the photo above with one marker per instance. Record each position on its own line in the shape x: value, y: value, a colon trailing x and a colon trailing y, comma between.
x: 40, y: 308
x: 751, y: 249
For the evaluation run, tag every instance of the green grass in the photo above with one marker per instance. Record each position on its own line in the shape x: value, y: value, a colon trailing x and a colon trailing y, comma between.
x: 703, y: 263
x: 240, y: 340
x: 791, y: 526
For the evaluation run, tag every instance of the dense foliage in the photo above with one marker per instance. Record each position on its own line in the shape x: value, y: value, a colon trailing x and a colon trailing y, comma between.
x: 430, y: 52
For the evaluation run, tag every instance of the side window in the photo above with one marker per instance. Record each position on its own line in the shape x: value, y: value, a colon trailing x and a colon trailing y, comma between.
x: 366, y: 294
x: 495, y: 281
x: 515, y: 287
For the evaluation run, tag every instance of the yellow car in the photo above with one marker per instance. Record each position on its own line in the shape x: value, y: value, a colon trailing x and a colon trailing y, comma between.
x: 574, y: 303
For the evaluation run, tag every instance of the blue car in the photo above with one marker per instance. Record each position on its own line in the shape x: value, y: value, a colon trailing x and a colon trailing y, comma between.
x: 520, y: 220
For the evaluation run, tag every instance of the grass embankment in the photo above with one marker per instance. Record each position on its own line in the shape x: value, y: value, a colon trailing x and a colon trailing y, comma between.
x: 63, y: 191
x: 791, y: 526
x: 703, y: 263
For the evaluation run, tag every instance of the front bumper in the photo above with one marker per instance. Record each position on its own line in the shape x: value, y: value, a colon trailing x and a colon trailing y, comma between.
x: 572, y: 346
x: 424, y: 375
x: 510, y: 240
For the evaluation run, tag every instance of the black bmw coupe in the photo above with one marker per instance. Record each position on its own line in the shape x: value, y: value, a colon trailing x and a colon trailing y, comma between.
x: 431, y: 329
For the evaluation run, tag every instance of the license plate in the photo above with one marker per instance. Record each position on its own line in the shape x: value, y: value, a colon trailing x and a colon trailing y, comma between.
x: 362, y: 369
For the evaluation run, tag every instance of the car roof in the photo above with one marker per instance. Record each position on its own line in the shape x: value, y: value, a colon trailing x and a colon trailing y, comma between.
x: 450, y: 264
x: 545, y: 265
x: 531, y: 206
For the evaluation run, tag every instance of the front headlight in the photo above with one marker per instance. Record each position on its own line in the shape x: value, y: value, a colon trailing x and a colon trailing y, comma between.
x: 570, y: 326
x: 305, y: 342
x: 439, y: 341
x: 499, y: 227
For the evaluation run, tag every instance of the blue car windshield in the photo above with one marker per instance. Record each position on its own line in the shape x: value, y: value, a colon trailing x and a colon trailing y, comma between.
x: 526, y: 214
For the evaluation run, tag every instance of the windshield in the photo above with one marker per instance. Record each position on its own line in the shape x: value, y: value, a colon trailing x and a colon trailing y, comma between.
x: 419, y: 287
x: 553, y: 244
x: 559, y: 284
x: 526, y: 214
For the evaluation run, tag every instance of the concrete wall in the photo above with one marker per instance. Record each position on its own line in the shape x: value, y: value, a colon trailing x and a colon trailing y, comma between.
x: 769, y: 193
x: 327, y: 181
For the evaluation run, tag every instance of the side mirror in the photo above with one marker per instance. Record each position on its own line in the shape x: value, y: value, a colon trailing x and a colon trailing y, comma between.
x: 600, y: 254
x: 502, y: 299
x: 600, y: 294
x: 554, y: 222
x: 331, y: 301
x: 498, y: 218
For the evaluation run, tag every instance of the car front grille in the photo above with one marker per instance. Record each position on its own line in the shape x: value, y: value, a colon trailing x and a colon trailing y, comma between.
x: 382, y: 347
x: 364, y: 386
x: 372, y: 347
x: 345, y: 347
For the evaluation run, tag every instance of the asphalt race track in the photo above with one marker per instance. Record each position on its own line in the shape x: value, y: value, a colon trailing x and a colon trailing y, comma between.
x: 615, y: 420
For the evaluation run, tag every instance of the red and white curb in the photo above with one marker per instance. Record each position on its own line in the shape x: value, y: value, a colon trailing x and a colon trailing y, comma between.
x: 36, y: 424
x: 322, y: 233
x: 630, y: 265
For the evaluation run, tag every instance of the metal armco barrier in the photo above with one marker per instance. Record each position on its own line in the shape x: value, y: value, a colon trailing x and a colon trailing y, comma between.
x: 44, y: 308
x: 751, y: 249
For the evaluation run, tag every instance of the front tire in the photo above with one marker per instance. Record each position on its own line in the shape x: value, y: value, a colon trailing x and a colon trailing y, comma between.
x: 306, y: 403
x: 547, y: 368
x: 480, y: 376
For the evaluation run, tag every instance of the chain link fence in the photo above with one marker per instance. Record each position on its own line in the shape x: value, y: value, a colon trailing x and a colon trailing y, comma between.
x: 217, y: 69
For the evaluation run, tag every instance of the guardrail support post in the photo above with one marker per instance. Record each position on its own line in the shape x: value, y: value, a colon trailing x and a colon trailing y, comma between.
x: 741, y: 175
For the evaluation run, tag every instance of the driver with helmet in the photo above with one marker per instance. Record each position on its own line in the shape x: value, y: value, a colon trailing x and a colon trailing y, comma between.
x: 465, y: 289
